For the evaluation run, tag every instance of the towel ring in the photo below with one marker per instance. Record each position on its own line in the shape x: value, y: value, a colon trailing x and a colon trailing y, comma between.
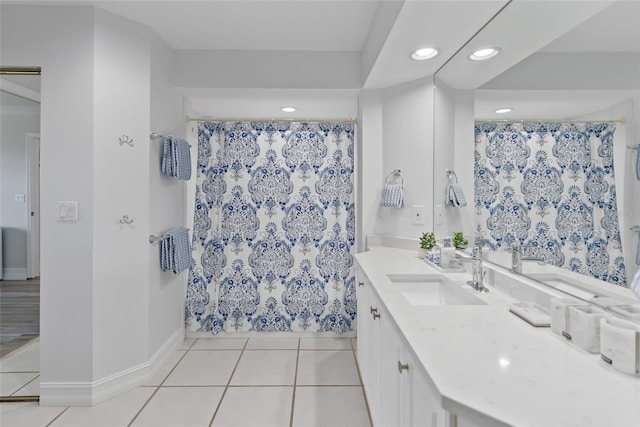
x: 452, y: 174
x: 395, y: 173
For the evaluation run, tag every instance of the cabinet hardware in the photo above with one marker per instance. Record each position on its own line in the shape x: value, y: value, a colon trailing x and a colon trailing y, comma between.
x: 376, y: 315
x: 373, y: 310
x: 360, y: 283
x: 402, y: 366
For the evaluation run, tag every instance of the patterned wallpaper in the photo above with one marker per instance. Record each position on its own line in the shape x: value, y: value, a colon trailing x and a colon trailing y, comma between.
x: 274, y: 228
x: 550, y: 187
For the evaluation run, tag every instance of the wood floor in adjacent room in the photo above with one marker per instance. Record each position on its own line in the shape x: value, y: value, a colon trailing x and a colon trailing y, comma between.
x: 19, y: 313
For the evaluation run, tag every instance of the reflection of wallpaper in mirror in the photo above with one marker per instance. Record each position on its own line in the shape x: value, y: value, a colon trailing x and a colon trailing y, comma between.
x: 549, y: 187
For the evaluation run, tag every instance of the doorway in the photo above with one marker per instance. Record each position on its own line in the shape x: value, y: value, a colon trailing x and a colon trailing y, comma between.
x: 20, y: 231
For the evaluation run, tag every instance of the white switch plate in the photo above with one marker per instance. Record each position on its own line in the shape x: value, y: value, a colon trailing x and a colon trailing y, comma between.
x: 19, y: 198
x: 417, y: 214
x: 68, y: 211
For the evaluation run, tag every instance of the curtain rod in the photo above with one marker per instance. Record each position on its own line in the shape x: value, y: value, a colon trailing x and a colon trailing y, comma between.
x: 621, y: 121
x: 236, y: 119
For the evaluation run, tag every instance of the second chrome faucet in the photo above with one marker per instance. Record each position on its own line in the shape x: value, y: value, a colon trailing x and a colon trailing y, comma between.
x: 477, y: 272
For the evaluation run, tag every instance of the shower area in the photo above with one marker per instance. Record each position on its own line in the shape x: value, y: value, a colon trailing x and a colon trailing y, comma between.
x: 551, y: 189
x: 274, y: 229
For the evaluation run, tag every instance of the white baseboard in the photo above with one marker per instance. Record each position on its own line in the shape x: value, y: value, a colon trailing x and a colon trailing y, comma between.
x: 301, y: 334
x: 92, y: 393
x: 14, y: 274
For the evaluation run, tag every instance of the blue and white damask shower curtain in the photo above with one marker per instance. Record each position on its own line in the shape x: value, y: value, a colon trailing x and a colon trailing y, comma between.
x: 274, y: 228
x: 550, y: 188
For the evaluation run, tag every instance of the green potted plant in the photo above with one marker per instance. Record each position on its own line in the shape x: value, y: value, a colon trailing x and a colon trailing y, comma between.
x: 459, y: 242
x: 428, y: 246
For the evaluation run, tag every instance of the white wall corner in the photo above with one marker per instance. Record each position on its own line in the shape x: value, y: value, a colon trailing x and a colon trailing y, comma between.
x: 92, y: 393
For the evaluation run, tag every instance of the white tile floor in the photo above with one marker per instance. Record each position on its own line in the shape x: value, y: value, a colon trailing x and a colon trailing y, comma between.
x: 215, y: 382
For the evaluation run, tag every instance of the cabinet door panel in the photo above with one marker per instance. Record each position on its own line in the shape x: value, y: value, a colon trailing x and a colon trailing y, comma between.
x: 426, y: 410
x: 392, y: 380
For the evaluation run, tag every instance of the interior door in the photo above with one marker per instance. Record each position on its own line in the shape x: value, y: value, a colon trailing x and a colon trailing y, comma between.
x: 33, y: 170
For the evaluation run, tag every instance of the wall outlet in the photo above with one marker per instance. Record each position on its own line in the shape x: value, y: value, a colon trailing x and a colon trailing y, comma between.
x: 417, y: 214
x: 19, y: 198
x: 439, y: 214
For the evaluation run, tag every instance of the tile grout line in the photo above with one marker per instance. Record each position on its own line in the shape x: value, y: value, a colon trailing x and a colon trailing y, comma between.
x: 159, y: 385
x: 58, y: 416
x: 23, y: 386
x: 226, y: 387
x: 295, y: 384
x: 366, y: 400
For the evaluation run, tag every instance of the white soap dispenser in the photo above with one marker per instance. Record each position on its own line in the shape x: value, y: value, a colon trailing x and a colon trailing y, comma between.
x: 447, y: 253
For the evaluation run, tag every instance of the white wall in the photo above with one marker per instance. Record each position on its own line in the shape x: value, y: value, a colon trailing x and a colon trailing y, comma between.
x: 99, y: 334
x: 17, y: 119
x: 454, y: 136
x: 66, y: 58
x: 120, y: 186
x: 398, y: 131
x: 369, y: 165
x: 262, y: 69
x: 166, y: 196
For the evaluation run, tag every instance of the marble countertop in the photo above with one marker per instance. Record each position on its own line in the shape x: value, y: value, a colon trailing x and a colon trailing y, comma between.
x: 492, y: 367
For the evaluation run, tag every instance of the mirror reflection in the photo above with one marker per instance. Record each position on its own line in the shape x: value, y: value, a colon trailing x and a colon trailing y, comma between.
x: 556, y: 117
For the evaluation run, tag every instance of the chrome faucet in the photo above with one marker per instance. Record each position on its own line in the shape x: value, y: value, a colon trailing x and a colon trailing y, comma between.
x: 517, y: 258
x: 477, y: 272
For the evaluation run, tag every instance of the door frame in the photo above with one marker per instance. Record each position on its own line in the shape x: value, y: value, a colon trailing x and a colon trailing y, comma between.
x: 33, y: 204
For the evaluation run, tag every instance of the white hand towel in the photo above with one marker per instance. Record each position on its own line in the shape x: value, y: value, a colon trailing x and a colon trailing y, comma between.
x: 392, y: 196
x: 584, y: 322
x: 620, y: 344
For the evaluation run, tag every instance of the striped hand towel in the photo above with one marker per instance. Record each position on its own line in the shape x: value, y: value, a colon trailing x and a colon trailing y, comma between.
x: 392, y: 196
x: 635, y: 285
x: 176, y: 158
x: 455, y: 196
x: 175, y: 252
x: 638, y: 162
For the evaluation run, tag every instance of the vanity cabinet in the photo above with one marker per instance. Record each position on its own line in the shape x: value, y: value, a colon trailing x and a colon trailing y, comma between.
x: 397, y: 388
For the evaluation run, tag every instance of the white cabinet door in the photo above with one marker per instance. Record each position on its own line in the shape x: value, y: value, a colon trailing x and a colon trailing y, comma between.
x: 393, y: 401
x: 368, y: 330
x: 398, y: 391
x: 426, y: 410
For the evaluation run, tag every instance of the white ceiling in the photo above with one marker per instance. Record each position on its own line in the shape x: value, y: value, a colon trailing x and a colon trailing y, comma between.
x: 383, y: 33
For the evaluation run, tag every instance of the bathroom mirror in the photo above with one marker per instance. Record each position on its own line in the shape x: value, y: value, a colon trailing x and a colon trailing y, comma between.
x: 560, y: 63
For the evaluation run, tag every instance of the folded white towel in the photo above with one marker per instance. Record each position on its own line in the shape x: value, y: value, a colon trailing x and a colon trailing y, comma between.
x: 559, y: 308
x: 620, y: 344
x: 392, y: 196
x: 584, y: 324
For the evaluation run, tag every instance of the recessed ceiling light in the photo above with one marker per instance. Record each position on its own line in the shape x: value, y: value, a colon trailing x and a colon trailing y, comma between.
x: 288, y: 109
x: 424, y: 53
x: 482, y: 54
x: 503, y: 110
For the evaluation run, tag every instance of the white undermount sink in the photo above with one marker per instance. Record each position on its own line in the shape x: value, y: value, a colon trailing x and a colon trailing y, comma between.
x: 432, y: 290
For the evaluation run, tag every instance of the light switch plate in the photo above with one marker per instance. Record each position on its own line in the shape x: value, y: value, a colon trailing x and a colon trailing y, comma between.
x: 68, y: 211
